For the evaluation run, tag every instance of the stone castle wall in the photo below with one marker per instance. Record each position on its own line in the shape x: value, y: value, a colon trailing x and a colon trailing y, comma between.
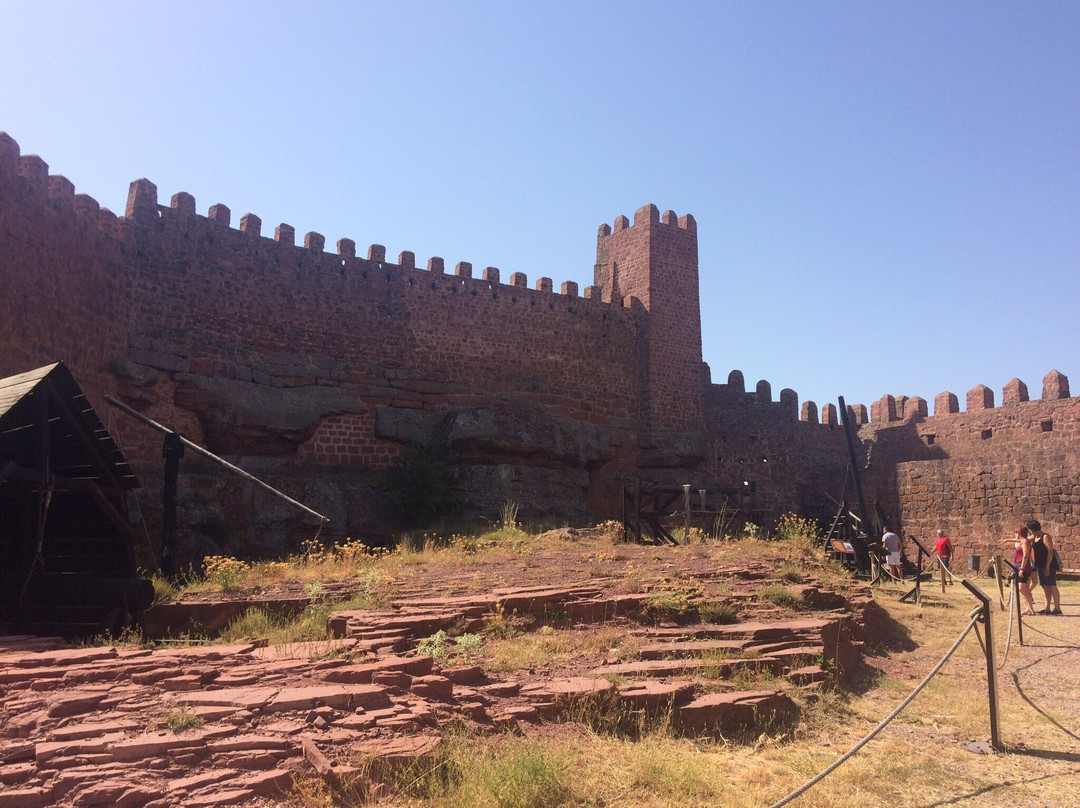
x: 317, y: 368
x: 311, y: 364
x: 980, y: 473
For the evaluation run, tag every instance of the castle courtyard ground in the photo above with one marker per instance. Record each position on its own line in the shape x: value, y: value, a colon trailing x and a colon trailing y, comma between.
x: 554, y: 670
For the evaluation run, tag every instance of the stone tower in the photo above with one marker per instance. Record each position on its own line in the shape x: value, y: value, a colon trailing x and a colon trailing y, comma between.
x: 655, y: 260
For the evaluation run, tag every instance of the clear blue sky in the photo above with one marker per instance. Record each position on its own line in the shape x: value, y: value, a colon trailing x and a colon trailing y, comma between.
x: 887, y: 195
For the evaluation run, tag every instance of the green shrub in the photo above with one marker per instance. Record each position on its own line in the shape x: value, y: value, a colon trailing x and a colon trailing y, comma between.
x: 444, y: 649
x: 420, y: 488
x: 791, y: 526
x: 718, y: 612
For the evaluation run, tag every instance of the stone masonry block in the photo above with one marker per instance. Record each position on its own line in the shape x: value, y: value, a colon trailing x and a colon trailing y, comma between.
x: 980, y: 397
x: 1055, y: 386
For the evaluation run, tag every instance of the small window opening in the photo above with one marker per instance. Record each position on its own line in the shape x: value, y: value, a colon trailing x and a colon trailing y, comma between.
x: 1047, y: 426
x: 930, y: 439
x: 987, y: 434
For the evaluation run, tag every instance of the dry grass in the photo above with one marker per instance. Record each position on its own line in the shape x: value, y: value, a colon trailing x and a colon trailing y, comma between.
x: 549, y: 646
x: 919, y: 760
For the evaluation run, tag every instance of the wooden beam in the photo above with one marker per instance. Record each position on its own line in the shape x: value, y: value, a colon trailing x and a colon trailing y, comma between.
x: 92, y: 445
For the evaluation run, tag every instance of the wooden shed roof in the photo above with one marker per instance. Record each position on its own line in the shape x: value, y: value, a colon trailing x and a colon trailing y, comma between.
x: 80, y: 447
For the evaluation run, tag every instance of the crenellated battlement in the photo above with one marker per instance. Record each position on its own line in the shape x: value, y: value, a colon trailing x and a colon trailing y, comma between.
x: 734, y: 392
x: 57, y: 193
x: 646, y: 217
x: 29, y: 176
x: 980, y: 398
x: 143, y: 210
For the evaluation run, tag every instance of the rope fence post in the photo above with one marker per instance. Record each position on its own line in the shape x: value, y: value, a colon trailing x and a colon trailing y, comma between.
x: 975, y: 616
x: 991, y: 669
x: 999, y: 567
x: 1019, y: 610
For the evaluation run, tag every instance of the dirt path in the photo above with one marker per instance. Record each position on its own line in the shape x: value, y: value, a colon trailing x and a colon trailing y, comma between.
x: 1039, y: 703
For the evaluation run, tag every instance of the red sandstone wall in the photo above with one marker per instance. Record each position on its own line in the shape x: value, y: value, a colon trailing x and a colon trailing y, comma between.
x: 212, y: 301
x: 978, y: 474
x: 776, y: 460
x: 258, y: 346
x: 61, y: 294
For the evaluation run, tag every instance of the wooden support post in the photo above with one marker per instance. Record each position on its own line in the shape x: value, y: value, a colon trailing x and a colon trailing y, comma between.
x: 991, y: 668
x: 917, y: 591
x: 637, y: 511
x: 686, y: 512
x: 172, y: 449
x: 1019, y: 609
x: 999, y: 566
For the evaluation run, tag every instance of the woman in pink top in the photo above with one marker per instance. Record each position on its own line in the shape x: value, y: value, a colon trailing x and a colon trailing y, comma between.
x: 1024, y: 563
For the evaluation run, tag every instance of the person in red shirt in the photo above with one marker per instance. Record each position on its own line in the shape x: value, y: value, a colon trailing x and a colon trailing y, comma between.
x: 943, y: 548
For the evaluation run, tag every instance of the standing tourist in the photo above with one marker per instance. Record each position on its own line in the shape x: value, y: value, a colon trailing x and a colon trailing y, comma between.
x: 891, y: 542
x: 944, y: 551
x: 1024, y: 564
x: 1043, y: 546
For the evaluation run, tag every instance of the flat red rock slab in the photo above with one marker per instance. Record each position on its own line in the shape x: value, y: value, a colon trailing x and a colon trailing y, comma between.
x: 274, y: 781
x: 728, y: 712
x: 361, y: 674
x: 652, y: 695
x: 17, y: 773
x: 432, y: 687
x: 809, y: 674
x: 578, y: 687
x: 157, y: 744
x: 181, y: 683
x: 246, y: 698
x: 16, y: 675
x: 201, y: 780
x: 115, y: 794
x: 340, y: 697
x: 92, y: 729
x: 689, y: 666
x: 63, y: 657
x: 396, y: 751
x: 210, y: 652
x: 246, y: 743
x: 464, y: 675
x: 669, y: 650
x: 796, y: 651
x: 26, y: 797
x: 75, y: 703
x: 231, y: 796
x: 304, y: 650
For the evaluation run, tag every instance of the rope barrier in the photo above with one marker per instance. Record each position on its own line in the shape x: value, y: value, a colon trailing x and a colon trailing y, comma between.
x: 885, y: 722
x: 1008, y: 636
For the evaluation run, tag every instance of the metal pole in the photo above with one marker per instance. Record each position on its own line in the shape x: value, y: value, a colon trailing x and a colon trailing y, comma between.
x: 991, y: 668
x: 206, y: 453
